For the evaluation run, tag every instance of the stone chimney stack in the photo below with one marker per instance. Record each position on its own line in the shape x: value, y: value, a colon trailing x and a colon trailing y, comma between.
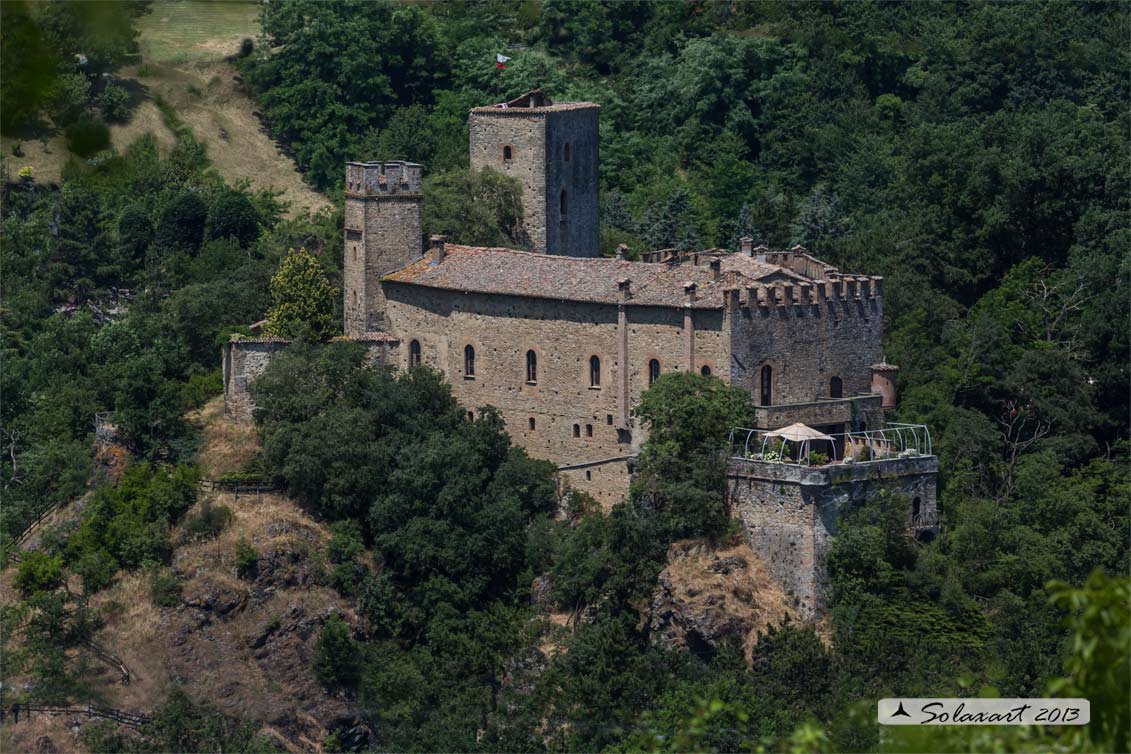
x: 622, y: 251
x: 436, y: 250
x: 746, y: 243
x: 760, y: 252
x: 716, y: 268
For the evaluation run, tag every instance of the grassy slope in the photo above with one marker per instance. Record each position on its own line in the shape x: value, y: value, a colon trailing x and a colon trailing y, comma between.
x: 183, y: 45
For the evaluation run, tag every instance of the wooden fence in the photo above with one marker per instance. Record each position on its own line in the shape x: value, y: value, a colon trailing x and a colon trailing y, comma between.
x: 238, y: 488
x: 15, y: 712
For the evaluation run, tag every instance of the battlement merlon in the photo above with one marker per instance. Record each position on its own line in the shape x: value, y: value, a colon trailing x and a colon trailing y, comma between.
x: 383, y: 178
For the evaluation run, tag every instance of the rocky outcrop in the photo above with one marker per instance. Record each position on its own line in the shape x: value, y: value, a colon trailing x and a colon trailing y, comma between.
x: 706, y: 595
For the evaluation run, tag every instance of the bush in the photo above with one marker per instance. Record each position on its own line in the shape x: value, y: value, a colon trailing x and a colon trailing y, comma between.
x: 87, y: 136
x: 114, y: 102
x: 817, y: 459
x: 345, y: 542
x: 208, y: 523
x: 164, y: 588
x: 97, y: 569
x: 247, y: 46
x: 247, y: 559
x: 335, y: 659
x: 39, y: 572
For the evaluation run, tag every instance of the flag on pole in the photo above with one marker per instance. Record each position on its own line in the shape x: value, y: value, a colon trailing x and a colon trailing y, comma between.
x: 500, y: 59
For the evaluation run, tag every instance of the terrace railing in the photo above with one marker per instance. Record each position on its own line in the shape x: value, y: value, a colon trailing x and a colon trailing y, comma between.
x: 864, y: 446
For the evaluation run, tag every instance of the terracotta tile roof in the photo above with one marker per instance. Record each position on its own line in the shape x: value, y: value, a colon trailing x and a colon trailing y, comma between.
x: 520, y: 273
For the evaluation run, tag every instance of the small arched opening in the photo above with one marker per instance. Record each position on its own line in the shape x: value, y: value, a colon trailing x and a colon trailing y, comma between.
x: 507, y: 153
x: 705, y: 371
x: 836, y: 388
x: 653, y: 371
x: 531, y: 367
x: 468, y: 361
x: 414, y: 354
x: 594, y: 371
x: 563, y: 203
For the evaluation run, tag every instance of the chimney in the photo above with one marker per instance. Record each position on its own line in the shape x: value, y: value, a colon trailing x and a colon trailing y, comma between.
x: 760, y: 252
x: 436, y: 251
x: 746, y: 243
x: 883, y: 382
x: 625, y: 287
x: 716, y: 268
x: 622, y: 251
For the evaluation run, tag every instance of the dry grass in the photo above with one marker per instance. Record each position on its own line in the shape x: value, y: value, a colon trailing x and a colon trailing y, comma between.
x: 747, y: 594
x: 24, y: 736
x: 226, y: 445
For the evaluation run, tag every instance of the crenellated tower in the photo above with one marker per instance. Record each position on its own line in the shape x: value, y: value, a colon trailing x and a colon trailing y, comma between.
x: 383, y: 232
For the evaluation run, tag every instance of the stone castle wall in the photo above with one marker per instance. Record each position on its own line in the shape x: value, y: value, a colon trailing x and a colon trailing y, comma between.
x: 789, y: 514
x: 243, y: 361
x: 490, y: 134
x: 574, y: 423
x: 806, y: 345
x: 573, y: 156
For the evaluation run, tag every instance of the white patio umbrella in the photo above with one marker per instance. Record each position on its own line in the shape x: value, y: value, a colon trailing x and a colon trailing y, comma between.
x: 799, y: 433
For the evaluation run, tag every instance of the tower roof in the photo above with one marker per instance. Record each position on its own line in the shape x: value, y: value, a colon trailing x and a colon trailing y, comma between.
x: 533, y: 102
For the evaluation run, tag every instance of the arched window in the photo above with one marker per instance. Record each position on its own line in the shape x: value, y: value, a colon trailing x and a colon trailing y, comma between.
x: 355, y: 253
x: 564, y: 204
x: 653, y: 371
x: 577, y: 430
x: 594, y: 372
x: 705, y: 371
x: 531, y: 367
x: 589, y: 475
x: 507, y: 153
x: 767, y: 385
x: 565, y: 152
x: 532, y: 424
x: 588, y: 430
x: 836, y: 388
x: 414, y: 354
x: 468, y: 361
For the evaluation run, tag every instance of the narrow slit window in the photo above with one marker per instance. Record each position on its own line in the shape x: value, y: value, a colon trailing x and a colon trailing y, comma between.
x: 507, y: 153
x: 564, y: 203
x: 594, y: 371
x: 653, y: 371
x: 531, y: 367
x: 588, y: 430
x: 565, y: 152
x: 414, y: 354
x: 468, y: 361
x: 532, y: 424
x: 767, y: 385
x: 577, y: 430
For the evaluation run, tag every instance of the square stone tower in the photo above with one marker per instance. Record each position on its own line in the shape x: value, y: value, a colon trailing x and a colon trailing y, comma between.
x: 552, y: 149
x: 383, y: 232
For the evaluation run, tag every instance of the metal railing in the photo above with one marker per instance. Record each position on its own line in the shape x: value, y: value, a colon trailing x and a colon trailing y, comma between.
x: 863, y: 446
x: 11, y: 713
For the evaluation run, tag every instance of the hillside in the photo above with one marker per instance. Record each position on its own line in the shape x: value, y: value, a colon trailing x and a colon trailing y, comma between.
x: 186, y: 49
x: 244, y: 644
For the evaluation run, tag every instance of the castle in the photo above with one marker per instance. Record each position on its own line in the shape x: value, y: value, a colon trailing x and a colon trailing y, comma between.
x: 563, y: 342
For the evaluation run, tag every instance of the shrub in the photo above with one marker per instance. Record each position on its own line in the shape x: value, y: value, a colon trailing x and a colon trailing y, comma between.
x: 345, y: 541
x: 39, y: 572
x: 97, y: 569
x: 87, y: 136
x: 164, y: 587
x: 208, y: 523
x: 247, y: 46
x: 114, y: 102
x: 247, y: 559
x: 335, y: 659
x: 817, y: 459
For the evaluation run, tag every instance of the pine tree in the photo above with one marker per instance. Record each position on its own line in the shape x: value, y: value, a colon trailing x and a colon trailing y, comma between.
x: 819, y: 219
x: 80, y: 245
x: 673, y: 224
x: 743, y: 227
x: 301, y: 298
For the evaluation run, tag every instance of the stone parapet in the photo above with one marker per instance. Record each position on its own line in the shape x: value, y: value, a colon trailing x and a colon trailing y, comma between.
x: 822, y: 412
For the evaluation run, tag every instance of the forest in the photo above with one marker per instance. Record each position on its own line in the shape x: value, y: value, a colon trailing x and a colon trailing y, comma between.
x: 974, y: 154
